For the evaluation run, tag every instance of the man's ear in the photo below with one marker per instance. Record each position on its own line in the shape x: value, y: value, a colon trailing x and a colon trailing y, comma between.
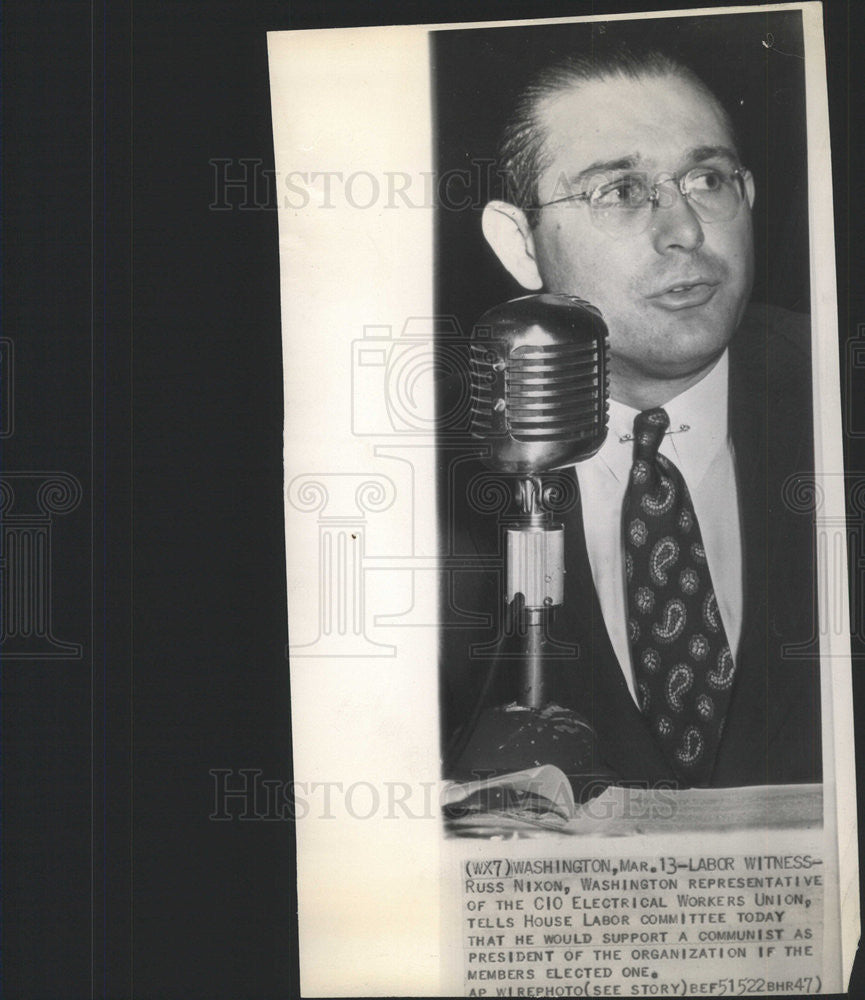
x: 508, y: 232
x: 750, y: 191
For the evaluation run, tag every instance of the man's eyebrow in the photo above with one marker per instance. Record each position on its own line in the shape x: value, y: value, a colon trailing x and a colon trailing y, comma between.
x: 606, y: 166
x: 700, y: 153
x: 630, y: 162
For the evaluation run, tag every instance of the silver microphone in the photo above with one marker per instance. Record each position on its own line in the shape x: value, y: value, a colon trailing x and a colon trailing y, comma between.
x: 539, y: 383
x: 539, y: 388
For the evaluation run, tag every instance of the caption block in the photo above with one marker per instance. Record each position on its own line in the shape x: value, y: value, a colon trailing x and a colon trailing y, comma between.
x: 672, y: 925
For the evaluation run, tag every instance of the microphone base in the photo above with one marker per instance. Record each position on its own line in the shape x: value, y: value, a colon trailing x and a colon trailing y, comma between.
x: 514, y: 737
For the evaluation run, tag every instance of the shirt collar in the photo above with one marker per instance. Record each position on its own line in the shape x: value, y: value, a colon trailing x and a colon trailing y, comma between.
x: 698, y: 422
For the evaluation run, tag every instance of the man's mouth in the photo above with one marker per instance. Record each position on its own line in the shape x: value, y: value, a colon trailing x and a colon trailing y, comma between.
x: 685, y: 294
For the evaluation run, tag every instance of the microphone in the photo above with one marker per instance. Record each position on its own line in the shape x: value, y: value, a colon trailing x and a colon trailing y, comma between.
x: 539, y: 389
x: 539, y: 383
x: 539, y: 392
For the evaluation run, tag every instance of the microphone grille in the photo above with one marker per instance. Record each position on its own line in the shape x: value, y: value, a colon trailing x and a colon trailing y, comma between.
x: 539, y: 382
x: 484, y: 364
x: 555, y: 392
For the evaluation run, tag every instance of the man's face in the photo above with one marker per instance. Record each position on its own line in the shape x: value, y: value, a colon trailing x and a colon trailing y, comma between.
x: 674, y: 294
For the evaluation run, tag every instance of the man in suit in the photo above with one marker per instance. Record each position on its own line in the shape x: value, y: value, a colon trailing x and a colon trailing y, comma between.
x: 625, y: 188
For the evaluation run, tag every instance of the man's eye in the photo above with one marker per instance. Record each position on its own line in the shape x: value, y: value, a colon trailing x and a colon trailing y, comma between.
x: 705, y: 181
x: 625, y: 192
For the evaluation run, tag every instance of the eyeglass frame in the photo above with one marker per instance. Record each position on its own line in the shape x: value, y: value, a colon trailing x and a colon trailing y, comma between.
x: 739, y: 173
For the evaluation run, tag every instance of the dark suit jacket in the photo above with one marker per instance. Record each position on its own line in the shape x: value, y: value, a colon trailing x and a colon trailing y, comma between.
x: 772, y: 732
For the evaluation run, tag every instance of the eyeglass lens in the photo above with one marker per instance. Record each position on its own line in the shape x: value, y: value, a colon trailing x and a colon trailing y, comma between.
x: 626, y: 205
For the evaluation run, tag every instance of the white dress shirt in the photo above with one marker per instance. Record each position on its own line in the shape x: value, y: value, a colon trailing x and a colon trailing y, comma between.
x: 703, y: 453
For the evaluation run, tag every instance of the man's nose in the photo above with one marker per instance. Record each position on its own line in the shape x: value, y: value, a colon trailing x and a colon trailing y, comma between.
x: 675, y: 225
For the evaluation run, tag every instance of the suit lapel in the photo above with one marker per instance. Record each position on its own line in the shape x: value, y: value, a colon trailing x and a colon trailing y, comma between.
x: 595, y: 684
x: 748, y: 430
x: 748, y: 720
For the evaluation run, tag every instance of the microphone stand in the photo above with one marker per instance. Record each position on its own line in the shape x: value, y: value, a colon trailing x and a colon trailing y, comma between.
x: 535, y: 570
x: 534, y: 588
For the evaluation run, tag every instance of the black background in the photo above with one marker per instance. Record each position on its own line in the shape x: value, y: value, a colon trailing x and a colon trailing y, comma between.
x: 147, y: 340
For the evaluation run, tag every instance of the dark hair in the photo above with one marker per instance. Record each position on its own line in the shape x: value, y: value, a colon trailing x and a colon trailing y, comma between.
x: 521, y: 153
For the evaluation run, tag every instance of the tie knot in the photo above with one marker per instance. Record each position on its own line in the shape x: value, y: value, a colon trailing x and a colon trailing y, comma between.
x: 649, y: 429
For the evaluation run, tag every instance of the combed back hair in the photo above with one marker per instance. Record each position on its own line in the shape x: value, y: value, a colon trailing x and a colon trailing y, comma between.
x: 521, y: 155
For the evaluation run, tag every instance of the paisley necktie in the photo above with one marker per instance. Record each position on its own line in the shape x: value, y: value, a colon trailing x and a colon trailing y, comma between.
x: 682, y: 662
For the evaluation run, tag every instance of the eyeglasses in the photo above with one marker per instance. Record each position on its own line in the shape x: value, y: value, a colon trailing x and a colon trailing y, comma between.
x: 624, y: 206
